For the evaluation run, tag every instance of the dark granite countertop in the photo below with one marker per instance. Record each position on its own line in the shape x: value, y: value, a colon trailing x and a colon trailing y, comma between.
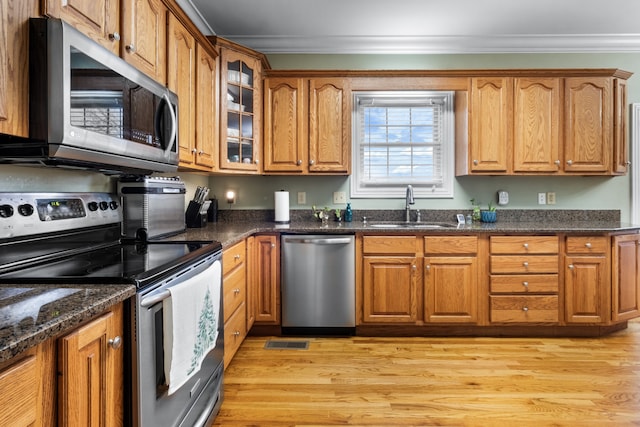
x: 230, y: 232
x: 30, y: 314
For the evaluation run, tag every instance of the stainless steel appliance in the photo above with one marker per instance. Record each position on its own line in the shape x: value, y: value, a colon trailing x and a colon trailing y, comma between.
x: 153, y: 207
x: 72, y: 238
x: 88, y: 108
x: 318, y: 283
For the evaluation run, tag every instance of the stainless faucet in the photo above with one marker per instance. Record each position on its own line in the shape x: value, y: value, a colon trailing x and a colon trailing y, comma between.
x: 409, y: 201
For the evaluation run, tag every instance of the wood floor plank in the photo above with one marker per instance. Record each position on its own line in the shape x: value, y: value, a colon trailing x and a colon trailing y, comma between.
x: 364, y: 381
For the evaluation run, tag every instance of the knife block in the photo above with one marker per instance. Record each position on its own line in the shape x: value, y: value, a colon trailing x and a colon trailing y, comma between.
x: 196, y: 215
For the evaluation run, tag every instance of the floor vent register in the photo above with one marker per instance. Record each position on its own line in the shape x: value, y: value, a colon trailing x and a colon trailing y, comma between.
x: 286, y: 345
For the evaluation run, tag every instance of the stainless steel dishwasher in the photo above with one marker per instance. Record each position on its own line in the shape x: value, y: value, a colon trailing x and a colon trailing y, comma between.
x: 318, y: 284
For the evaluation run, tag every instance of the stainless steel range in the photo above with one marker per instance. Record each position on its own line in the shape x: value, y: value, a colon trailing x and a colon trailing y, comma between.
x: 75, y: 238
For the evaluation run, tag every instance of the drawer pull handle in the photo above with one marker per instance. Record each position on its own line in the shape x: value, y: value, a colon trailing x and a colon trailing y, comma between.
x: 526, y: 264
x: 526, y: 246
x: 525, y: 308
x: 588, y: 245
x: 525, y: 284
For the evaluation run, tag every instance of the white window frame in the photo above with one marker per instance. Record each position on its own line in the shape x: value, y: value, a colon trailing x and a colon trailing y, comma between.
x: 443, y: 189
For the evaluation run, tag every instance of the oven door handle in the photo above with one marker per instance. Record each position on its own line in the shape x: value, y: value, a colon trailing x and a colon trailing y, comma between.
x: 153, y: 299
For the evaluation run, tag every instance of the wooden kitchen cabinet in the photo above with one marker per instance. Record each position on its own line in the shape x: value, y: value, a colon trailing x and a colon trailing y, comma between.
x: 307, y: 125
x: 451, y: 279
x: 240, y: 108
x: 524, y: 279
x: 144, y: 37
x: 27, y: 388
x: 181, y: 73
x: 625, y: 278
x: 234, y: 283
x: 267, y: 279
x: 98, y: 19
x: 588, y: 119
x: 620, y: 128
x: 207, y: 106
x: 536, y: 125
x: 586, y: 265
x: 14, y: 61
x: 391, y: 279
x: 90, y: 372
x: 490, y: 146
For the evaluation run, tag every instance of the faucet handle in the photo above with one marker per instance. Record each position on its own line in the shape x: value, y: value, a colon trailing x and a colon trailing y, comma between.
x: 418, y: 216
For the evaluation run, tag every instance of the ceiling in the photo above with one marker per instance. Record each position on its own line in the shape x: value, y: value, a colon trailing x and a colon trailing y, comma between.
x: 422, y: 26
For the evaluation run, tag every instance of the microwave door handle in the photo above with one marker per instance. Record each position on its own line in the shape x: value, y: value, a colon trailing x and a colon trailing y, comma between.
x: 172, y: 114
x: 174, y: 123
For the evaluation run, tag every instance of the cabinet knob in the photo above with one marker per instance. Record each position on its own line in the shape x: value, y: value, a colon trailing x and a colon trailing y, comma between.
x: 569, y: 162
x: 201, y: 152
x: 526, y: 264
x: 525, y: 308
x: 115, y: 343
x: 312, y: 162
x: 526, y: 246
x: 273, y: 245
x: 427, y: 267
x: 236, y: 257
x: 588, y: 245
x: 236, y: 334
x: 114, y: 37
x: 628, y: 163
x: 525, y: 284
x: 193, y: 150
x: 414, y: 267
x: 236, y: 291
x: 130, y: 48
x: 557, y: 162
x: 299, y: 162
x: 570, y: 266
x: 475, y: 162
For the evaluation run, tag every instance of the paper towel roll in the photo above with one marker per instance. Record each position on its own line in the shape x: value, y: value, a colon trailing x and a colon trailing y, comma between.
x: 282, y: 207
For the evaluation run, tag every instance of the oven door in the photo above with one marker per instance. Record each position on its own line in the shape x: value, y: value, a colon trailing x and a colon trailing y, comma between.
x: 197, y: 401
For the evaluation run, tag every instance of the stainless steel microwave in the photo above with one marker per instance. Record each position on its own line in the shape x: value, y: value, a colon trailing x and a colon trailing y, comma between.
x: 88, y: 108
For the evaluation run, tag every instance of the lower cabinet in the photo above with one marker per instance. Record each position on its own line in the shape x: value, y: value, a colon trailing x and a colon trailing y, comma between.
x: 234, y: 284
x: 84, y: 387
x: 586, y: 279
x: 90, y: 373
x: 626, y: 277
x: 266, y: 277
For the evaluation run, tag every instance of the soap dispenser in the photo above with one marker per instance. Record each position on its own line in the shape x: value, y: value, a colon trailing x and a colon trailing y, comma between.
x: 348, y: 214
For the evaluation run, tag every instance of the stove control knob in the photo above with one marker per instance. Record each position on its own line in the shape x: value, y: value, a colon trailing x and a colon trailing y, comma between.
x: 93, y: 206
x: 113, y: 205
x: 25, y: 210
x: 6, y: 211
x: 104, y: 206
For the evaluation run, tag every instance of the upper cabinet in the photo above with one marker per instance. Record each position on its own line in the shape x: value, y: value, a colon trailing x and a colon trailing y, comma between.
x: 548, y: 122
x: 240, y: 108
x: 99, y: 19
x: 144, y: 36
x: 307, y: 125
x: 14, y: 61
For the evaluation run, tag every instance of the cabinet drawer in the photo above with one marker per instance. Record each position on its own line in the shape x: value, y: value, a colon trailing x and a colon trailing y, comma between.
x: 524, y: 264
x: 587, y: 244
x: 524, y: 309
x: 389, y: 244
x: 524, y: 283
x: 451, y: 244
x: 524, y: 245
x: 19, y: 392
x: 235, y: 291
x: 235, y: 329
x: 233, y: 257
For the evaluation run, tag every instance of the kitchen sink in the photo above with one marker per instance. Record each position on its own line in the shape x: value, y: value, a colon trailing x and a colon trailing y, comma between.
x: 410, y: 225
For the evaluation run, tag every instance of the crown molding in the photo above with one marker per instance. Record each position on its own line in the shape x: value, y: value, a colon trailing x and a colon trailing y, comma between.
x: 546, y: 43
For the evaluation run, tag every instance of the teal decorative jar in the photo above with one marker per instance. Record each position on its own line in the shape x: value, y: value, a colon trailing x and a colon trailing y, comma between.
x: 488, y: 216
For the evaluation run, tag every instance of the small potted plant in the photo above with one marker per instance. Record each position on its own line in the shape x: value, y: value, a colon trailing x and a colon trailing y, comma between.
x: 488, y: 215
x: 475, y: 210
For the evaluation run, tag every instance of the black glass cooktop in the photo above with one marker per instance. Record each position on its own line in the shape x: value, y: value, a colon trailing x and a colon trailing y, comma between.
x: 120, y: 263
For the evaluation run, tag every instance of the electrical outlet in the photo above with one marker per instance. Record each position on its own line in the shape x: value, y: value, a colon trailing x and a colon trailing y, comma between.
x: 551, y: 198
x: 302, y: 198
x: 542, y: 198
x: 339, y: 197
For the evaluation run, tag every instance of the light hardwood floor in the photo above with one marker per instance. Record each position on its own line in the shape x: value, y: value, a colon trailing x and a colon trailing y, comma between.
x: 363, y: 381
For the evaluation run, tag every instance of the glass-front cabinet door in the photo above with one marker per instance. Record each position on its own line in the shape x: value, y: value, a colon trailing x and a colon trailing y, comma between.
x: 240, y: 112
